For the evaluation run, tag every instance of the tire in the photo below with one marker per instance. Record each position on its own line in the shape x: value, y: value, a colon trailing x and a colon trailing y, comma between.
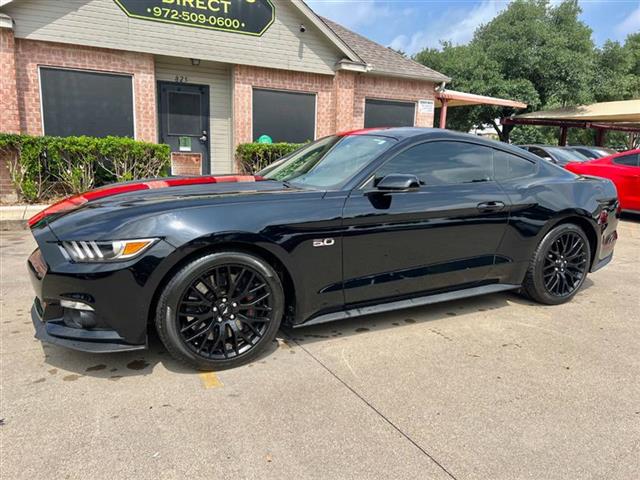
x: 559, y: 265
x: 220, y: 311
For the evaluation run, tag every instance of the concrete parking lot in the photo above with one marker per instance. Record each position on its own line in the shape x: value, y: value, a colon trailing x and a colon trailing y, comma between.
x: 487, y: 388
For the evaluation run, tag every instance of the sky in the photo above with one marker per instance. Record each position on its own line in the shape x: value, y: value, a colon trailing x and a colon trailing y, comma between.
x: 411, y: 25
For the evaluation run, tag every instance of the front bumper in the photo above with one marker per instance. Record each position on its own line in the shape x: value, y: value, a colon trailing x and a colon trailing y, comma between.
x: 119, y: 296
x: 95, y: 341
x: 602, y: 263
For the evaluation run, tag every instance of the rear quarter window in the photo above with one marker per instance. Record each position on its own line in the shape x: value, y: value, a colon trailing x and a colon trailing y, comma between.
x: 628, y: 160
x: 507, y: 166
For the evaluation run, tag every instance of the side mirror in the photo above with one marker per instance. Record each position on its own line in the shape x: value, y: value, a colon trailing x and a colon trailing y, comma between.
x: 397, y: 182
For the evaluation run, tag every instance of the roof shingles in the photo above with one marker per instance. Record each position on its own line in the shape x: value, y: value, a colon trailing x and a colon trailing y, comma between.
x: 383, y: 60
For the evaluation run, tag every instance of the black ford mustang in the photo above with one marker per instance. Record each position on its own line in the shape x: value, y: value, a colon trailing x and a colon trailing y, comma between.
x: 356, y: 223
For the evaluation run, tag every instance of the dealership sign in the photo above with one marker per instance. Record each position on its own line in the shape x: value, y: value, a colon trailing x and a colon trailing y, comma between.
x: 248, y: 17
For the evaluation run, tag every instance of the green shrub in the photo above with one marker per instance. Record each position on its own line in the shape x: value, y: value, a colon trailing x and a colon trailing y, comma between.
x: 44, y: 167
x: 253, y: 157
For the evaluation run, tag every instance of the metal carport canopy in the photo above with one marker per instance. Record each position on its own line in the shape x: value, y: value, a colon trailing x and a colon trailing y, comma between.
x: 627, y: 111
x: 621, y: 115
x: 452, y: 98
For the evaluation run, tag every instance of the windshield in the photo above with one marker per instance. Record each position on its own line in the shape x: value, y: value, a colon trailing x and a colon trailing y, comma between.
x: 604, y: 152
x: 567, y: 155
x: 328, y: 163
x: 577, y: 155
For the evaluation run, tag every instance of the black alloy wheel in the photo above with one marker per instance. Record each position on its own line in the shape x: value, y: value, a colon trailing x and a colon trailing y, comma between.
x: 565, y: 264
x: 559, y: 265
x: 220, y: 310
x: 225, y: 311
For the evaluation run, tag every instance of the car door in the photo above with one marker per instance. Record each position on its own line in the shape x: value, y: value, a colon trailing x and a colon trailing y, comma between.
x: 442, y: 235
x: 626, y: 176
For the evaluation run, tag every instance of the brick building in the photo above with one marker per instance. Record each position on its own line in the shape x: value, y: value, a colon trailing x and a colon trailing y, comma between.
x: 199, y: 75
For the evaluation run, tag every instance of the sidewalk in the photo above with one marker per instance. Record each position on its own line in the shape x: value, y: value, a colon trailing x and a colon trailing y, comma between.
x: 14, y: 217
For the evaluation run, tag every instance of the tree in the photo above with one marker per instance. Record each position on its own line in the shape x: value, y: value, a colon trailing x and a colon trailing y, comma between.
x: 472, y: 70
x: 533, y: 52
x: 618, y: 70
x: 548, y: 46
x: 398, y: 51
x: 632, y: 46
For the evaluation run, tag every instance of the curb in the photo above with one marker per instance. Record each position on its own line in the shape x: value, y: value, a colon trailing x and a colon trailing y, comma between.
x: 12, y: 225
x: 14, y: 217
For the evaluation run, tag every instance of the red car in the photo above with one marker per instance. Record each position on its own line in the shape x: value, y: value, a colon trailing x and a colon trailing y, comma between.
x: 623, y: 169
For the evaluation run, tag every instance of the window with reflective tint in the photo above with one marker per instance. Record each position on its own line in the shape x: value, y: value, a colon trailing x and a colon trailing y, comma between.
x: 284, y: 116
x: 507, y: 165
x: 540, y: 152
x: 628, y: 160
x: 565, y: 156
x: 329, y: 162
x: 184, y: 114
x: 443, y: 163
x: 86, y: 103
x: 385, y: 113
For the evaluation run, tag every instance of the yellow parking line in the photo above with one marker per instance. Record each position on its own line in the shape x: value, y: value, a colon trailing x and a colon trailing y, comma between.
x: 210, y: 380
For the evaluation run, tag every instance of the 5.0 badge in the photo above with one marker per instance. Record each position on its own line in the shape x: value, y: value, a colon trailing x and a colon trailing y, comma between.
x: 324, y: 242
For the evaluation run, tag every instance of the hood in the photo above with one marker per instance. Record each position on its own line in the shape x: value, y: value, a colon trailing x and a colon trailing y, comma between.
x: 152, y: 190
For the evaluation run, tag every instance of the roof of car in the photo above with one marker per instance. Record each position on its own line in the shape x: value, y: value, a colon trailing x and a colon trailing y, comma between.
x: 395, y: 132
x: 404, y: 133
x: 589, y: 147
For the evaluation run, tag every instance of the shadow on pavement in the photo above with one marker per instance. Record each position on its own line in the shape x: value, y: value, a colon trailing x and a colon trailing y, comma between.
x: 497, y: 303
x: 631, y: 217
x: 113, y: 367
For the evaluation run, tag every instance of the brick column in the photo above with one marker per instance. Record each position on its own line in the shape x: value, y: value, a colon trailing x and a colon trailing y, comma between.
x: 9, y: 114
x: 344, y: 97
x: 241, y: 105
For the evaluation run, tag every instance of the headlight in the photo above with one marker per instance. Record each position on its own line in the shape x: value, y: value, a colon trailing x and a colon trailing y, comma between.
x: 106, y: 251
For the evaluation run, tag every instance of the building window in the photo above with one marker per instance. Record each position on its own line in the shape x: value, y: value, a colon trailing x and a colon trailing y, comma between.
x: 284, y: 116
x: 386, y: 113
x: 86, y: 103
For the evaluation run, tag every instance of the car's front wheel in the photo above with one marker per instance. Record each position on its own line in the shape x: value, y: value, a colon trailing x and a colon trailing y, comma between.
x: 559, y: 265
x: 220, y: 310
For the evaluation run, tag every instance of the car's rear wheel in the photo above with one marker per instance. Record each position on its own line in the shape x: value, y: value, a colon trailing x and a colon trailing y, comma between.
x: 559, y: 265
x: 221, y: 310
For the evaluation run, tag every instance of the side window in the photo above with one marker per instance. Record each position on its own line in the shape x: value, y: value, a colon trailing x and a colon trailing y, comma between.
x: 509, y: 166
x: 539, y: 152
x: 628, y: 160
x: 442, y: 163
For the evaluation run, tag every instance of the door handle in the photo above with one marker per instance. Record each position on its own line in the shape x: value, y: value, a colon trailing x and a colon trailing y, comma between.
x: 493, y: 206
x: 204, y: 137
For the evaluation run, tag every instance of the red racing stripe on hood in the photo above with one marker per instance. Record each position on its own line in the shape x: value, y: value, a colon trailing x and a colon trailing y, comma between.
x: 74, y: 202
